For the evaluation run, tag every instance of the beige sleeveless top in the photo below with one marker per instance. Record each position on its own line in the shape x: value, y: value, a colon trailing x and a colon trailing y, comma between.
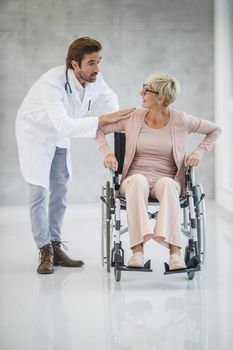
x: 154, y: 157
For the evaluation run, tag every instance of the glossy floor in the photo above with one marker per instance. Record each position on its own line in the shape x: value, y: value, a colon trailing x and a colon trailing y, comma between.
x: 86, y: 309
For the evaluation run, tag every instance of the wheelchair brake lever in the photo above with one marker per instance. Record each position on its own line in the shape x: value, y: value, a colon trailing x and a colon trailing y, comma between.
x: 201, y: 198
x: 112, y: 204
x: 103, y: 199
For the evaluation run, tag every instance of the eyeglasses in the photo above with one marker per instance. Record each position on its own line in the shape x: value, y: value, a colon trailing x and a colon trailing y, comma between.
x: 145, y: 90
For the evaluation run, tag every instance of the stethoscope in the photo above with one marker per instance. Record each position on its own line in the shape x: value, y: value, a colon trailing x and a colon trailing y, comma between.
x: 67, y: 86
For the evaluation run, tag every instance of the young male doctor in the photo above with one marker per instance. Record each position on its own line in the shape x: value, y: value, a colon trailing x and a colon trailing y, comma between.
x: 56, y: 108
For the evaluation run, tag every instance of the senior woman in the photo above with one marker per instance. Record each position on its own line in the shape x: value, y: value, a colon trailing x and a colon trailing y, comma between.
x: 154, y: 164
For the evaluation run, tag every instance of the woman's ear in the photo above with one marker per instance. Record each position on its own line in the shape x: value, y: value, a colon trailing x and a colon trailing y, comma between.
x: 161, y: 100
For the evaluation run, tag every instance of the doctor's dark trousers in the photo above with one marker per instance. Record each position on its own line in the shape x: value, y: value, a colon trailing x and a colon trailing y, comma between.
x: 46, y: 224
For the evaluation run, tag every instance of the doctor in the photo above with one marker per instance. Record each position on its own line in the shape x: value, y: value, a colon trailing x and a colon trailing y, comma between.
x: 55, y: 109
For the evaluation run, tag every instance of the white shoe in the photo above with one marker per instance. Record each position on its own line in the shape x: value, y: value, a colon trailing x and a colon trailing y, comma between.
x: 176, y: 262
x: 136, y: 260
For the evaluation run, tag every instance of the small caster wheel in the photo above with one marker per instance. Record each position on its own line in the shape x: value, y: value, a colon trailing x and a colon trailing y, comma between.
x: 117, y: 274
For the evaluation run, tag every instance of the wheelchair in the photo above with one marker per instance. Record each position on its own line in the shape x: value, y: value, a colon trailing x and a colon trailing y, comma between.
x: 193, y: 226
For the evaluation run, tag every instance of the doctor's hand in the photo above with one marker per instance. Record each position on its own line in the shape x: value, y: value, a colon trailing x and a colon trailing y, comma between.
x: 192, y: 160
x: 111, y: 162
x: 115, y: 116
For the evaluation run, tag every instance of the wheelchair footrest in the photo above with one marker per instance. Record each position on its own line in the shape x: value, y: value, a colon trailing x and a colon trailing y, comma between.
x: 145, y: 268
x: 191, y: 269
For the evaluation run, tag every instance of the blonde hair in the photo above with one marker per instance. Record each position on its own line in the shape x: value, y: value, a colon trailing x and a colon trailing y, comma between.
x: 165, y: 85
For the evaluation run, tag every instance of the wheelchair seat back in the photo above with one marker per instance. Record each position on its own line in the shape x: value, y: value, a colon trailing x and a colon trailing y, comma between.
x: 119, y: 150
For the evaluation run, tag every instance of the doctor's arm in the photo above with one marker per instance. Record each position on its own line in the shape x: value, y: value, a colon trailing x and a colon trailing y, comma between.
x: 53, y: 100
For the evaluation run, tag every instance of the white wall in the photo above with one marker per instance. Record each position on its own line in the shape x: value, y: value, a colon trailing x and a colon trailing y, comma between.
x: 139, y: 37
x: 224, y: 101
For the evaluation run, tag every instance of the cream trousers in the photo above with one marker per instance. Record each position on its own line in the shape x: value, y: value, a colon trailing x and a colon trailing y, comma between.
x: 167, y: 230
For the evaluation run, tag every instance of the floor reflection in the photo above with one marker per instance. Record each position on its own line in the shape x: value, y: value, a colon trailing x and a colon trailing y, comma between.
x: 87, y: 309
x: 51, y: 322
x: 157, y: 319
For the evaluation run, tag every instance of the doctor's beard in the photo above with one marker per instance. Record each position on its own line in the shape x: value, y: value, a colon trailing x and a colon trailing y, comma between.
x: 90, y: 79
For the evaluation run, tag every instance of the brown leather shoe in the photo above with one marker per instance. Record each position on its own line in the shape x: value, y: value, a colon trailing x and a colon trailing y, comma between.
x: 46, y: 260
x: 62, y: 259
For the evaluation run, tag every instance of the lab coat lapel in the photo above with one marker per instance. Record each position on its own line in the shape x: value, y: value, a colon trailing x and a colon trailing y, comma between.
x: 75, y: 103
x: 84, y: 103
x: 87, y: 98
x: 75, y: 93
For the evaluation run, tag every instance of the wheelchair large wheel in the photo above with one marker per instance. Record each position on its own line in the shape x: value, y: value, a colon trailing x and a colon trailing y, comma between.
x: 106, y: 227
x: 201, y: 225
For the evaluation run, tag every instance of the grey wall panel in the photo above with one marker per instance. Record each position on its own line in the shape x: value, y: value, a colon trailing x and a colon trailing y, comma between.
x: 139, y: 38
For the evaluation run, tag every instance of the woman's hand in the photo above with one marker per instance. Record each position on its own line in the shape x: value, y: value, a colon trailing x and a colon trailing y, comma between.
x: 115, y: 116
x: 111, y: 162
x: 192, y: 160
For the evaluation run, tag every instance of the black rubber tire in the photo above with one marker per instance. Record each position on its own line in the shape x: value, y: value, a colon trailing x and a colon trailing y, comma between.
x: 201, y: 229
x: 189, y: 253
x: 107, y: 228
x: 186, y: 255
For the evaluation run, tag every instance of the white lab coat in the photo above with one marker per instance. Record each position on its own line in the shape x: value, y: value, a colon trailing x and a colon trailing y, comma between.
x: 50, y: 115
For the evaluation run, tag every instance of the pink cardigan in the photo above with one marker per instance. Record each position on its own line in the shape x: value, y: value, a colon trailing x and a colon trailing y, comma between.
x: 182, y: 124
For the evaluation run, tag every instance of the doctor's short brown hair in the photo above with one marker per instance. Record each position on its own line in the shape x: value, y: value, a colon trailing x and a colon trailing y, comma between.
x: 79, y: 48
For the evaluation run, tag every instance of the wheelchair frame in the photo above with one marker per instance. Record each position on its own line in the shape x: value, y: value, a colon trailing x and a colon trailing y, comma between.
x: 193, y: 226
